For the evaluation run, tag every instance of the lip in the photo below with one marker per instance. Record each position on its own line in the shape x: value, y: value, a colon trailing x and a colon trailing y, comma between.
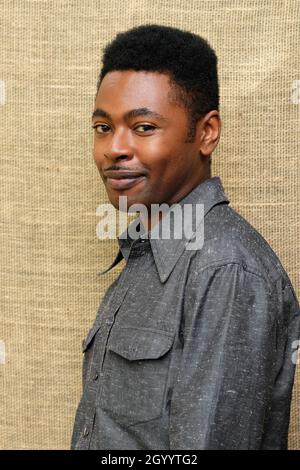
x: 124, y: 183
x: 123, y: 179
x: 118, y: 174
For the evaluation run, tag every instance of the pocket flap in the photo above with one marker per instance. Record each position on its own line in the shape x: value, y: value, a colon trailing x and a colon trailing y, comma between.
x: 140, y: 343
x: 87, y: 341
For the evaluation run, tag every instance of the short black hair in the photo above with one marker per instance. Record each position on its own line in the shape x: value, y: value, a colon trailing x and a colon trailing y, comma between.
x: 185, y: 57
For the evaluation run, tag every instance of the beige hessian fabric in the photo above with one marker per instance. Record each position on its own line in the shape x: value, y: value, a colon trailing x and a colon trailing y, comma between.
x: 50, y: 56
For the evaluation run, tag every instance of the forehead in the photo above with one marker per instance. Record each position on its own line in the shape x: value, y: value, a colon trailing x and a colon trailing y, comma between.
x: 134, y: 88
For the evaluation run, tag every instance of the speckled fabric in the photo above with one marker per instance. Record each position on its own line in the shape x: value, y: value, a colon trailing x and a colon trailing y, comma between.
x: 192, y: 349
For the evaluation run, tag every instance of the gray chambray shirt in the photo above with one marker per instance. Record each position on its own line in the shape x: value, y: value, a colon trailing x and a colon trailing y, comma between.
x: 192, y: 349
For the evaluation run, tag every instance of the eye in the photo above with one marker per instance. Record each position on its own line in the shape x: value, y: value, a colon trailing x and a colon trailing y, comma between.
x: 103, y: 128
x: 144, y: 127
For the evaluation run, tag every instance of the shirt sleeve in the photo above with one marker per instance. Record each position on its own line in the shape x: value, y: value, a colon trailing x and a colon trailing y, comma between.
x: 234, y: 380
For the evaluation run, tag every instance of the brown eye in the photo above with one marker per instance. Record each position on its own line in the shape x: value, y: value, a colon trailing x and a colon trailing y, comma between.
x: 144, y: 127
x: 103, y: 128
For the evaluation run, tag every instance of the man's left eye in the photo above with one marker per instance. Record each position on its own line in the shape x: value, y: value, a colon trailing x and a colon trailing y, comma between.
x: 144, y: 128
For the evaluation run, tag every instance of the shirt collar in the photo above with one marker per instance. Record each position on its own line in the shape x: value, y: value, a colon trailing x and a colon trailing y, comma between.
x: 166, y: 252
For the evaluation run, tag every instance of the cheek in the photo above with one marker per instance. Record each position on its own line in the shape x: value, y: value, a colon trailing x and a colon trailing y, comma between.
x: 98, y: 155
x: 168, y: 161
x: 157, y: 154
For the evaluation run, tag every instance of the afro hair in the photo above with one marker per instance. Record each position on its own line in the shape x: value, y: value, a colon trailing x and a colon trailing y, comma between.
x: 186, y: 58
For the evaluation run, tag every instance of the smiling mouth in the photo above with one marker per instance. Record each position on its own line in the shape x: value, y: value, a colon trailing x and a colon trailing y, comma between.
x: 125, y: 182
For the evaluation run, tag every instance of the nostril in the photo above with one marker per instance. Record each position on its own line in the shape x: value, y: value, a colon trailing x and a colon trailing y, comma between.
x: 118, y: 157
x: 121, y: 157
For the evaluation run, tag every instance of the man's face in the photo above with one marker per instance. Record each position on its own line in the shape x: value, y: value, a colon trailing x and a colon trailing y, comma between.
x: 140, y: 130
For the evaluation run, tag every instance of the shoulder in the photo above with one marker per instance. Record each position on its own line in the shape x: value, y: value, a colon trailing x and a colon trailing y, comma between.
x: 229, y: 239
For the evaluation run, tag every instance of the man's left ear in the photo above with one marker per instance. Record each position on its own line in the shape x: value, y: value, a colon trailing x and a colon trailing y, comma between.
x: 210, y: 132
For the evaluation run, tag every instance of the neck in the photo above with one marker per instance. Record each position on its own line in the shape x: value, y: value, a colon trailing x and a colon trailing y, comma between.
x: 150, y: 222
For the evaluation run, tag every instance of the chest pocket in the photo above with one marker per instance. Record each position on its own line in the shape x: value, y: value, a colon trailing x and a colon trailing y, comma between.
x: 135, y: 374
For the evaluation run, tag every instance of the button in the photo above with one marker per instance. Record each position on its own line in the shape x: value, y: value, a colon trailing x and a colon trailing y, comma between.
x: 109, y: 321
x: 86, y: 431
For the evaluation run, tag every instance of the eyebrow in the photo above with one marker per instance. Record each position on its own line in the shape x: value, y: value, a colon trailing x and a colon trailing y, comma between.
x: 98, y: 112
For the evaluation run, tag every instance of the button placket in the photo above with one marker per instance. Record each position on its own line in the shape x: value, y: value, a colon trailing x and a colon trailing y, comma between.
x: 96, y: 376
x: 99, y: 353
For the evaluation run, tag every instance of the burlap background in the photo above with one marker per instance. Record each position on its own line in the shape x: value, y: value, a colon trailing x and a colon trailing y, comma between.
x: 50, y: 57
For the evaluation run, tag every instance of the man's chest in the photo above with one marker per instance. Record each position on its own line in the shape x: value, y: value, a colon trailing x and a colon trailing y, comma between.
x: 130, y: 344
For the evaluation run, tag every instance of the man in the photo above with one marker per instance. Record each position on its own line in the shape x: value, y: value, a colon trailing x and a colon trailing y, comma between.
x: 190, y: 348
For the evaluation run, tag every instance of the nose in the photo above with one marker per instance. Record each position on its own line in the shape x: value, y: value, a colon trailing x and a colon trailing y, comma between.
x: 120, y: 147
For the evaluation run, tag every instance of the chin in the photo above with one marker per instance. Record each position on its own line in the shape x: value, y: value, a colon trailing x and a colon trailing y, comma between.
x: 114, y: 200
x: 131, y: 199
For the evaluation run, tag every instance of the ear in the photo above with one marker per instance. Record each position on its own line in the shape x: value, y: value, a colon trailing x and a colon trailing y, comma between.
x: 209, y: 132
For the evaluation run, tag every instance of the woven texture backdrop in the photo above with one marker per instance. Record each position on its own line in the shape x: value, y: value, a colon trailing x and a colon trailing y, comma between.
x: 50, y: 57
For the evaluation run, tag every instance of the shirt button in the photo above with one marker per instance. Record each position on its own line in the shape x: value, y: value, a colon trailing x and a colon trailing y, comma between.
x: 109, y: 322
x: 85, y: 431
x: 95, y: 376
